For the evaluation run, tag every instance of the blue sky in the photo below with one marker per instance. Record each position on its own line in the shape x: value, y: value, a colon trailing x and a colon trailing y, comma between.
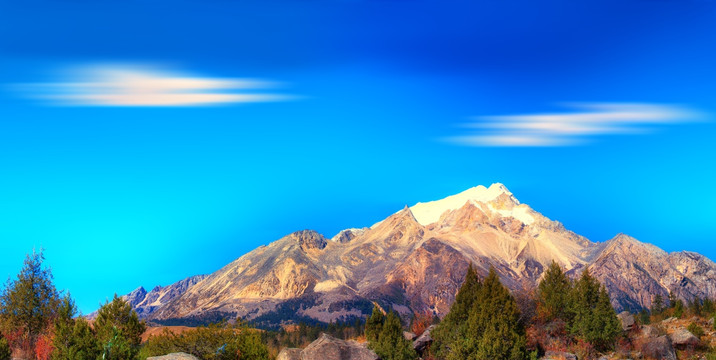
x: 143, y: 142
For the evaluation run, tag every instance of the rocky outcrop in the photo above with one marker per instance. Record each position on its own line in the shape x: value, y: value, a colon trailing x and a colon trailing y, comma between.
x: 174, y: 356
x: 289, y: 354
x: 658, y: 348
x: 684, y: 338
x: 627, y: 320
x: 559, y: 355
x: 423, y: 342
x: 327, y: 347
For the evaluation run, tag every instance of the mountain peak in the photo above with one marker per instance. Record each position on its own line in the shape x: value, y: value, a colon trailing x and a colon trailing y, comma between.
x: 429, y: 212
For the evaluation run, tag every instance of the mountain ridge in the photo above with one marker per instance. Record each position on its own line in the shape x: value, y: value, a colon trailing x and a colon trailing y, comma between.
x: 415, y: 260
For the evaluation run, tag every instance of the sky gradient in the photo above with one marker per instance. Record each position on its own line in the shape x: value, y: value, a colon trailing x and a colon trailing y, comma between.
x: 144, y: 142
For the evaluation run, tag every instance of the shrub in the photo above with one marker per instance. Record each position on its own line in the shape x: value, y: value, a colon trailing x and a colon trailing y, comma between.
x: 696, y: 330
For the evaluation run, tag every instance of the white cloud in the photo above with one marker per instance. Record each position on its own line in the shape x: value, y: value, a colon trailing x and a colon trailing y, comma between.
x: 575, y: 127
x: 133, y: 85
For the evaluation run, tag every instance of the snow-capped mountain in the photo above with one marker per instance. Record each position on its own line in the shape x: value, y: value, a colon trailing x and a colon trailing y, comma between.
x: 415, y: 260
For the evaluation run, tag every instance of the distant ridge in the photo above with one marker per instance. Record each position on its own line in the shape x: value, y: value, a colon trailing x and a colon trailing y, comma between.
x: 415, y: 260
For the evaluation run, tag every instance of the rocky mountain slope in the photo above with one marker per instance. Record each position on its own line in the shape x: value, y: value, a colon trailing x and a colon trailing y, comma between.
x: 415, y: 260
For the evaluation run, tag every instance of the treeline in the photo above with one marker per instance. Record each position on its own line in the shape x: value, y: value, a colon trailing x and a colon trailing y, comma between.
x: 487, y: 322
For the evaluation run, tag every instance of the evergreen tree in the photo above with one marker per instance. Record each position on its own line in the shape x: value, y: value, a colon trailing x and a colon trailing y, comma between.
x: 594, y: 318
x: 657, y: 306
x: 452, y: 330
x: 5, y: 353
x: 678, y: 308
x: 708, y: 307
x: 29, y: 303
x: 74, y: 338
x: 494, y: 323
x: 374, y: 325
x: 391, y: 344
x: 553, y: 294
x: 119, y: 330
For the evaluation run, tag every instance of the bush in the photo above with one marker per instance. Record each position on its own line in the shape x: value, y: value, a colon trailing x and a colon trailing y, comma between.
x: 696, y: 330
x: 5, y: 352
x: 213, y: 342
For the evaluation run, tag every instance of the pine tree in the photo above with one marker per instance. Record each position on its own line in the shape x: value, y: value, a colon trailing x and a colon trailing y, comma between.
x: 29, y: 303
x: 553, y: 294
x: 391, y: 344
x: 494, y: 323
x: 678, y: 308
x: 657, y: 306
x: 119, y: 330
x: 594, y: 318
x: 374, y: 325
x: 451, y: 333
x: 74, y: 339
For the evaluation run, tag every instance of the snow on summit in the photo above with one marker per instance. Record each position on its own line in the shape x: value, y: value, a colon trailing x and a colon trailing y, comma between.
x: 429, y: 212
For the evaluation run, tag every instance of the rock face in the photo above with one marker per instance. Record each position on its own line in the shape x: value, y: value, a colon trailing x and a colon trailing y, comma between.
x: 627, y: 320
x: 659, y: 348
x: 327, y: 347
x: 415, y: 261
x: 174, y: 356
x: 684, y: 338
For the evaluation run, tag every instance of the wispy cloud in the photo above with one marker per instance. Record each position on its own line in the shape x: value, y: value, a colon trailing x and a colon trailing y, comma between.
x: 575, y: 127
x: 137, y: 85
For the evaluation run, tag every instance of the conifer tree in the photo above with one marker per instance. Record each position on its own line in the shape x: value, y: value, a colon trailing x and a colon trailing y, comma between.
x: 594, y: 318
x: 119, y: 330
x: 391, y: 344
x: 450, y: 334
x: 553, y: 294
x: 29, y: 303
x: 494, y: 323
x: 657, y: 306
x: 74, y: 339
x: 374, y: 325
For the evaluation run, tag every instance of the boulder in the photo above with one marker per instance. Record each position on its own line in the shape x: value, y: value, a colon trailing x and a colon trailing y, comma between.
x: 424, y: 340
x: 658, y: 348
x: 559, y: 355
x: 683, y: 338
x: 649, y: 331
x: 327, y: 347
x: 627, y: 320
x: 289, y: 354
x: 711, y: 322
x: 174, y: 356
x: 409, y: 336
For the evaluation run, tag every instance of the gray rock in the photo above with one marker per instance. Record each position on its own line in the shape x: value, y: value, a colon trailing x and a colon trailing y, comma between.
x: 627, y: 320
x: 659, y: 348
x: 409, y: 336
x: 327, y: 347
x: 683, y: 337
x: 559, y: 355
x: 424, y: 340
x: 289, y: 354
x: 669, y: 319
x: 711, y: 322
x: 174, y: 356
x: 649, y: 331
